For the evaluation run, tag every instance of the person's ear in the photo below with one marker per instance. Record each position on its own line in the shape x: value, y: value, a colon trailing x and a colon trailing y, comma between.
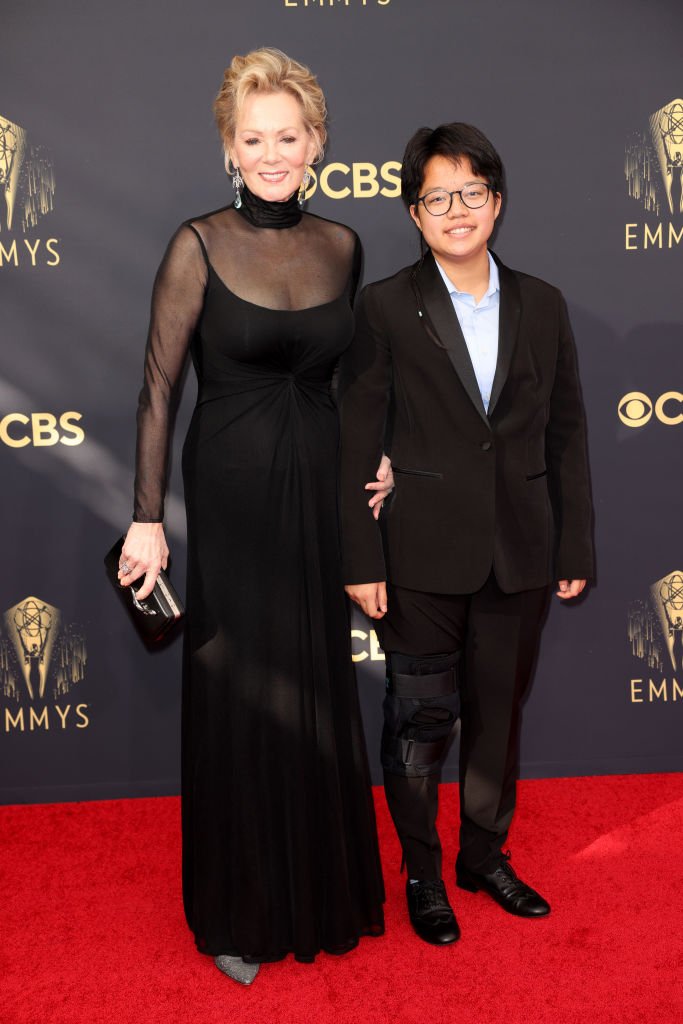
x: 498, y: 203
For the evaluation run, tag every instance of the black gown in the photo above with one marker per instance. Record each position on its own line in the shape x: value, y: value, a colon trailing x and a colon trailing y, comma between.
x: 280, y: 849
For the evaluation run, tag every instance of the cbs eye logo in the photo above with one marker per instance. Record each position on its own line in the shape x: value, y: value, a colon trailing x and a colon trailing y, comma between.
x: 636, y: 409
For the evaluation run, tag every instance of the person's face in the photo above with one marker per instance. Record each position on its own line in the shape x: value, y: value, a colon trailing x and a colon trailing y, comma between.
x: 461, y: 234
x: 272, y: 145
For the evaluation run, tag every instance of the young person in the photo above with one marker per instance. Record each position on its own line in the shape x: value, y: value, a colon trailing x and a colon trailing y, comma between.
x: 465, y: 371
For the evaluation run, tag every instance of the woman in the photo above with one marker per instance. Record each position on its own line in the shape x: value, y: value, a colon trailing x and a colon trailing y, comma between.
x: 279, y: 844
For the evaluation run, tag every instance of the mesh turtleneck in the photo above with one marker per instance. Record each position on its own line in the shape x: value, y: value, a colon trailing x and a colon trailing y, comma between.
x: 263, y: 214
x: 272, y: 271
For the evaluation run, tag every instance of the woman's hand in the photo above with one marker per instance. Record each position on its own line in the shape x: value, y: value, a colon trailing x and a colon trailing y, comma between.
x: 144, y: 553
x: 383, y: 487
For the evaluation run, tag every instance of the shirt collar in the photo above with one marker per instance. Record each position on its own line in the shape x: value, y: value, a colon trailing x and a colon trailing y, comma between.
x: 494, y: 279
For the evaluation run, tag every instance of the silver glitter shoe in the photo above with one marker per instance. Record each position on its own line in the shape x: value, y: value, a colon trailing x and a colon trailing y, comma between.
x: 235, y: 968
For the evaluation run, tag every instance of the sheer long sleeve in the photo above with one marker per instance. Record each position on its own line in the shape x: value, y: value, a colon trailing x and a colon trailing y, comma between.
x: 177, y: 301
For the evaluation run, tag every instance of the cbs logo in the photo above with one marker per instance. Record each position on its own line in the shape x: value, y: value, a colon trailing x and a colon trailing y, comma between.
x: 41, y: 429
x: 636, y: 409
x: 360, y: 180
x: 369, y: 646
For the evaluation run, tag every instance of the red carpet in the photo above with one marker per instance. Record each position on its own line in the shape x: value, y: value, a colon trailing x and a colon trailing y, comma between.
x: 92, y: 926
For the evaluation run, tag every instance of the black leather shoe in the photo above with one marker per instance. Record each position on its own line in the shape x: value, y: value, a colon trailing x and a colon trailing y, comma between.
x: 505, y: 887
x: 430, y: 912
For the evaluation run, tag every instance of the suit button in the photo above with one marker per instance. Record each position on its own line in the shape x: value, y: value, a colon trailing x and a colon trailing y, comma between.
x: 486, y: 446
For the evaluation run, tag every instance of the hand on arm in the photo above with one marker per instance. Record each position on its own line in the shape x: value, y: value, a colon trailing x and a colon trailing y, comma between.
x: 371, y: 598
x: 382, y: 487
x: 364, y: 389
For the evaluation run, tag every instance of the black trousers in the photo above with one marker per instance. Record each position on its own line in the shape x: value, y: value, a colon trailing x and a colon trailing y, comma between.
x: 497, y: 637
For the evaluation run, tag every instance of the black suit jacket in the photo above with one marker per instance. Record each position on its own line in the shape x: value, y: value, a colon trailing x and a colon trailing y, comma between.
x: 509, y: 490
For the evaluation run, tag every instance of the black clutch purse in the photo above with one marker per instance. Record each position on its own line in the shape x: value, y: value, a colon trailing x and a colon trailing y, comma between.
x: 154, y: 616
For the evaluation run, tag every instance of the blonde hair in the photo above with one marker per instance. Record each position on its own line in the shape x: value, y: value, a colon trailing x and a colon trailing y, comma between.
x: 270, y: 70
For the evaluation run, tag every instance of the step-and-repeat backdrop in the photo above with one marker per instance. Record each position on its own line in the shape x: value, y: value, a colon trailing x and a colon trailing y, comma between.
x: 107, y: 144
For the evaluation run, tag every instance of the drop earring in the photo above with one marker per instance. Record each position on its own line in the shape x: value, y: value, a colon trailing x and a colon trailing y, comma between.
x: 237, y: 183
x: 303, y: 188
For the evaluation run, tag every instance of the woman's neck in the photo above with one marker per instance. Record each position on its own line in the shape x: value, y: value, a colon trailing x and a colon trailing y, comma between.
x: 262, y: 213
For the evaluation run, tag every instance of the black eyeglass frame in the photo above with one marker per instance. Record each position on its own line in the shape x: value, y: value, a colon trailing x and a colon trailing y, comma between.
x: 455, y: 192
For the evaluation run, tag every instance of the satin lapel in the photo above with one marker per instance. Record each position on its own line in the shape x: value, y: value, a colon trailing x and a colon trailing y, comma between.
x: 508, y: 328
x: 442, y: 317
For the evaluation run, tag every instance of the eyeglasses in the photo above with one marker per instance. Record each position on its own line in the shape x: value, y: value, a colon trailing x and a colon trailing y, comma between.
x: 439, y: 201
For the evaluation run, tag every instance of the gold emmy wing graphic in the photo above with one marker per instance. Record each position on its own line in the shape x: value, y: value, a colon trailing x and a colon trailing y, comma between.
x: 39, y: 647
x: 27, y: 179
x: 655, y: 626
x: 32, y: 626
x: 667, y: 598
x: 654, y: 162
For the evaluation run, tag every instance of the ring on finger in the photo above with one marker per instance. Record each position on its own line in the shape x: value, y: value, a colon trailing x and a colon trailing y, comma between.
x: 125, y: 568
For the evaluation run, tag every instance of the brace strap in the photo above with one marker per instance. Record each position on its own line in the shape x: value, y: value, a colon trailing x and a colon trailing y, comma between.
x: 438, y: 684
x: 416, y: 752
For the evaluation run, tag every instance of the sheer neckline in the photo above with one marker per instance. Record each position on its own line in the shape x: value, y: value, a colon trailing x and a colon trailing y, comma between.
x: 272, y: 309
x: 261, y: 213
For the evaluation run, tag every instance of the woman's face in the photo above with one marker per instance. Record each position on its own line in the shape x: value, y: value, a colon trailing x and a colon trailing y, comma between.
x: 272, y: 145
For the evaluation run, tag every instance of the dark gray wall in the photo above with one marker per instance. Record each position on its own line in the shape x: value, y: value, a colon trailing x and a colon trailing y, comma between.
x: 115, y: 101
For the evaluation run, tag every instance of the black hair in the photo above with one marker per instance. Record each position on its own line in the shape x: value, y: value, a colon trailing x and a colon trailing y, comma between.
x: 454, y: 141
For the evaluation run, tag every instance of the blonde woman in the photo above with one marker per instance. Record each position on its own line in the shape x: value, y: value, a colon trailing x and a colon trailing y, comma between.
x: 279, y: 845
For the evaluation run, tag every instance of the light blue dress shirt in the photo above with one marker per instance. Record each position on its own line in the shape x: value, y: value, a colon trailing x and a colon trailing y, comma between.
x: 479, y: 324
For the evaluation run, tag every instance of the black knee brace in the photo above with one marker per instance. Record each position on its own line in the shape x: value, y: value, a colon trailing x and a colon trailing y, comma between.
x: 421, y: 707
